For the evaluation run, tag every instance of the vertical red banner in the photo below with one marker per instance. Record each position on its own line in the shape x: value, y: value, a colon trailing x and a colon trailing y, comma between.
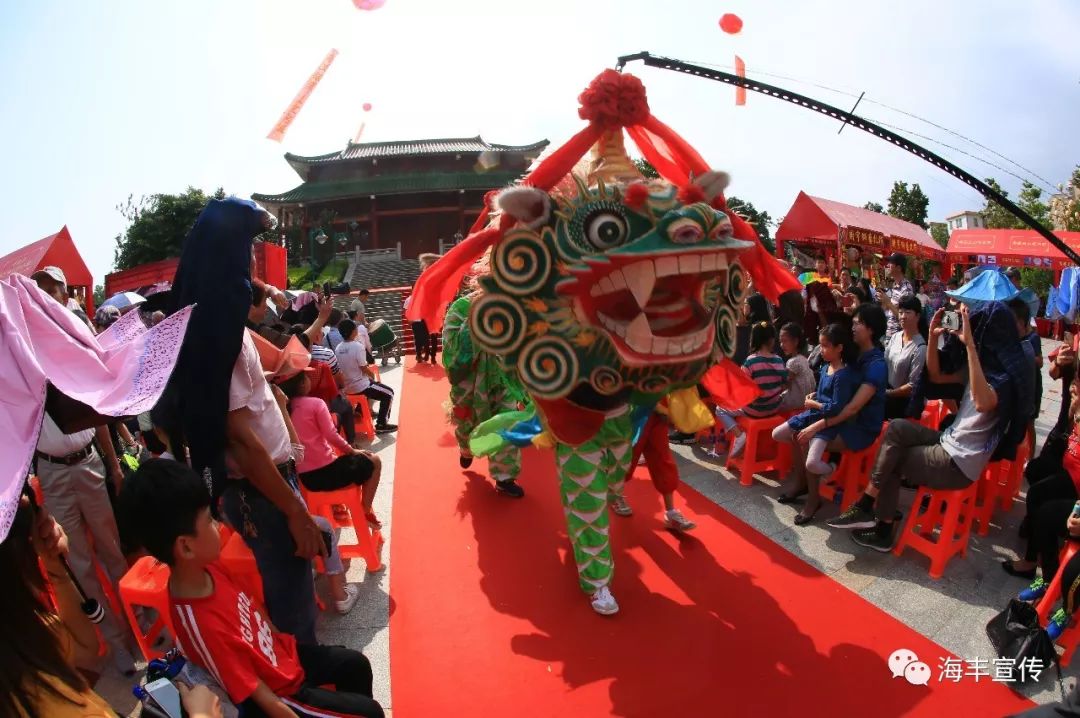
x: 278, y: 133
x: 740, y: 70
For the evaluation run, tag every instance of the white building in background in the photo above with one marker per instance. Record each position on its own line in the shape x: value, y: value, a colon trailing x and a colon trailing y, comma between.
x: 965, y: 220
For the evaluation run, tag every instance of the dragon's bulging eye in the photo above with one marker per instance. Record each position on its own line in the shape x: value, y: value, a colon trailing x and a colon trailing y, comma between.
x: 685, y: 231
x: 606, y: 229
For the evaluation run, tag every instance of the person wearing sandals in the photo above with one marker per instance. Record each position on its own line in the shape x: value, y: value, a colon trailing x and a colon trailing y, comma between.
x: 329, y: 463
x: 861, y: 418
x: 1053, y: 485
x: 837, y: 384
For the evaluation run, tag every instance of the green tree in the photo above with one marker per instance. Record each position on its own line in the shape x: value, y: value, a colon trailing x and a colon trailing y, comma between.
x: 940, y: 233
x: 909, y: 205
x: 996, y: 216
x: 646, y: 169
x: 1030, y: 200
x: 157, y: 226
x: 874, y: 207
x: 99, y: 294
x: 1038, y: 280
x: 1070, y: 212
x: 761, y: 221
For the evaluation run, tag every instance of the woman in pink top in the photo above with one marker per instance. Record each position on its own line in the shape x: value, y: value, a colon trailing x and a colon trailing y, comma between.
x: 329, y: 463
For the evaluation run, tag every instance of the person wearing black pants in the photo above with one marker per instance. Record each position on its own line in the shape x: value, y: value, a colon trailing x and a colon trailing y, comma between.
x: 348, y: 671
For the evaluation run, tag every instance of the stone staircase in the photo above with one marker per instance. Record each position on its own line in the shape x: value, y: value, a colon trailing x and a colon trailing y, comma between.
x: 378, y: 270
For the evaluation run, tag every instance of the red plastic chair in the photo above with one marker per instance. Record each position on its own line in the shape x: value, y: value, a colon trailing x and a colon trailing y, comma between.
x: 761, y: 453
x: 147, y: 584
x: 1070, y: 637
x: 364, y: 423
x: 953, y: 510
x: 852, y: 476
x: 368, y: 540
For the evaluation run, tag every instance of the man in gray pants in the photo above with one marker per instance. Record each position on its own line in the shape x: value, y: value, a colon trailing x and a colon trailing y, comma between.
x: 949, y: 459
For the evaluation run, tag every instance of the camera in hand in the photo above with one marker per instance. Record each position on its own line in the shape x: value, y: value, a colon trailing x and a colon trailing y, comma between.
x: 951, y: 321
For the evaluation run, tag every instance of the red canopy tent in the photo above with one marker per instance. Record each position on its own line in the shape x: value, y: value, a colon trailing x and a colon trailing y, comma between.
x: 832, y: 225
x: 1009, y: 248
x: 56, y: 250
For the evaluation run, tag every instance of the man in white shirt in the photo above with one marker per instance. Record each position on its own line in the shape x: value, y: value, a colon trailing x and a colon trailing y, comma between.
x: 359, y: 377
x: 358, y: 306
x: 262, y: 499
x: 72, y: 475
x: 364, y: 337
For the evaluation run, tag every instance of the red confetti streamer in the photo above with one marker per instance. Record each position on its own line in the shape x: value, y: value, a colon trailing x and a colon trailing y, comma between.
x: 278, y: 133
x: 740, y: 70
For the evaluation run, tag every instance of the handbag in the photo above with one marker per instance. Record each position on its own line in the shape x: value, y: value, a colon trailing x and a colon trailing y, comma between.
x: 1016, y: 634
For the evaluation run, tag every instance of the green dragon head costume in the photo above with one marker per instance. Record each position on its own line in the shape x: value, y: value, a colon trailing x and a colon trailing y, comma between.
x: 608, y: 288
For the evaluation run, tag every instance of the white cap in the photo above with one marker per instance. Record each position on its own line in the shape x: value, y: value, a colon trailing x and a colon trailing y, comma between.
x: 52, y: 272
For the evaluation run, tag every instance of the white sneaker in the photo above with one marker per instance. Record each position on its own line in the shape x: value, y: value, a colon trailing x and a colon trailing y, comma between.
x: 620, y: 506
x: 123, y: 660
x: 738, y: 444
x: 604, y: 603
x: 352, y: 593
x: 675, y: 521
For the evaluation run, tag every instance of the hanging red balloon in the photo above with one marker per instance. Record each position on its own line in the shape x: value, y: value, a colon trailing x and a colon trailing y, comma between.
x: 368, y: 4
x: 367, y: 107
x: 731, y: 23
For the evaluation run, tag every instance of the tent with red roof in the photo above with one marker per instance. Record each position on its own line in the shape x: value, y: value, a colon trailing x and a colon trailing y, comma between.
x: 56, y: 250
x: 831, y: 225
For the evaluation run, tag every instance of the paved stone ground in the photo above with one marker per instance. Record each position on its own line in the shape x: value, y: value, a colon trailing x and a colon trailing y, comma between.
x: 952, y: 611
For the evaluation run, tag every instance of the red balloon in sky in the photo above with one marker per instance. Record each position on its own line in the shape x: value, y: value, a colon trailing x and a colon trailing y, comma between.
x: 368, y: 4
x: 367, y: 107
x: 730, y: 23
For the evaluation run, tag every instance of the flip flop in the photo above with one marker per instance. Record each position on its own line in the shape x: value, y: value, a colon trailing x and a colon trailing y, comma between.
x: 802, y: 520
x: 788, y: 498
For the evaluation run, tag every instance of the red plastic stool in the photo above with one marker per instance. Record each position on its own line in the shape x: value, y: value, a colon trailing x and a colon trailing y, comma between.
x: 368, y: 540
x: 931, y: 414
x: 1015, y: 475
x: 364, y: 423
x: 147, y: 584
x: 238, y: 560
x: 1070, y: 637
x: 990, y: 489
x: 954, y: 519
x: 851, y: 477
x: 761, y: 452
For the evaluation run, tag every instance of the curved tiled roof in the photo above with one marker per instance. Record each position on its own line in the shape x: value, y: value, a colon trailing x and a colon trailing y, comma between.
x: 406, y: 148
x: 391, y: 184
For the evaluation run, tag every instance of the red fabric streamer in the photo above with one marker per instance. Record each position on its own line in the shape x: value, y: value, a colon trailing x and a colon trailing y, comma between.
x: 729, y: 386
x: 740, y: 70
x: 278, y: 133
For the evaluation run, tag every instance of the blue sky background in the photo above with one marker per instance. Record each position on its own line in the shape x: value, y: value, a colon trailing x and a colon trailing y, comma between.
x: 116, y: 97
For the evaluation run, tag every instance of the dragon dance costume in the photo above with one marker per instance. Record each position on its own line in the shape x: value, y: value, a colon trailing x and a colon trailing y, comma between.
x: 605, y: 297
x: 480, y: 388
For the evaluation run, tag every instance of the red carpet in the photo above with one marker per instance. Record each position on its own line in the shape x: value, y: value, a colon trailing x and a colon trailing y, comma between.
x: 487, y: 618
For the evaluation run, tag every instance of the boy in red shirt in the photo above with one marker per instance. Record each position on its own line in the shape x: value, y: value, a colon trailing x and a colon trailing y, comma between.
x: 167, y: 508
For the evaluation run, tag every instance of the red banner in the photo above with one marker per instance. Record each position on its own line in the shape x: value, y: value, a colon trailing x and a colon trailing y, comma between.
x: 740, y: 70
x: 278, y: 133
x: 904, y: 246
x: 865, y: 238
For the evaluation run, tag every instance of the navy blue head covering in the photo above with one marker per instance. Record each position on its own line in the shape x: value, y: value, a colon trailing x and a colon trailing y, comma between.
x: 215, y: 274
x: 1004, y: 364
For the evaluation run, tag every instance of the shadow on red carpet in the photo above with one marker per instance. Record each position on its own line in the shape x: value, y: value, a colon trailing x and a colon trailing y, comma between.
x: 489, y: 619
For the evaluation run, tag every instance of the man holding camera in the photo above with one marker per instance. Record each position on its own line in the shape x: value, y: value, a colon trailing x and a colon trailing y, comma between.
x: 901, y: 287
x: 997, y: 378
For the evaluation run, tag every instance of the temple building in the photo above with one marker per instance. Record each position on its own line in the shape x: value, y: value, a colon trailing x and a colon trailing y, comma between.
x: 381, y: 195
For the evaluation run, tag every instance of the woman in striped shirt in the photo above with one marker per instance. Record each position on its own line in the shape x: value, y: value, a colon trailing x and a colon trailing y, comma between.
x: 769, y: 373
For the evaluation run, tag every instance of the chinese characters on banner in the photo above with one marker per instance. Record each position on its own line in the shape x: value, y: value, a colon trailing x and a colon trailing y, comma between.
x: 866, y: 238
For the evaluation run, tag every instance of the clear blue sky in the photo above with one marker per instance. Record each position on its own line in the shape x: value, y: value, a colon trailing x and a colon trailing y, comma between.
x: 115, y: 97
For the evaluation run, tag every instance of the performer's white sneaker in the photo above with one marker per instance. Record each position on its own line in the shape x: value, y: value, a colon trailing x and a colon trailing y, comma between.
x: 604, y: 603
x: 675, y: 521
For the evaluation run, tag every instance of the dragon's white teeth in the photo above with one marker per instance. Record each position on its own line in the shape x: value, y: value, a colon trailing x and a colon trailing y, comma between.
x: 640, y: 277
x: 639, y: 335
x: 640, y: 280
x: 689, y: 264
x: 666, y: 266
